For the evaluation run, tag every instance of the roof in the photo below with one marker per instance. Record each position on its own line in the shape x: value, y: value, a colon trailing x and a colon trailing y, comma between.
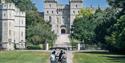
x: 52, y: 1
x: 76, y: 0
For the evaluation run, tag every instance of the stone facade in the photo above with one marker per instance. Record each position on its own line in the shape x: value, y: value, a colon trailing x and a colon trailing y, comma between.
x: 61, y: 16
x: 12, y: 26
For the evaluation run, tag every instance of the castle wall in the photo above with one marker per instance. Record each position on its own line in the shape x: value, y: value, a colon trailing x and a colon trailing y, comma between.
x: 10, y: 17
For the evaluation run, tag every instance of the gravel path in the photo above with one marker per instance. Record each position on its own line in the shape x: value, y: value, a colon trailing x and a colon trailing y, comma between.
x: 69, y: 57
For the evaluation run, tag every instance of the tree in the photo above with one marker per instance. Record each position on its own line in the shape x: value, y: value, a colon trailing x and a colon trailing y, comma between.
x: 117, y: 3
x: 83, y: 26
x: 24, y: 5
x: 39, y: 33
x: 104, y: 19
x: 120, y: 4
x: 116, y: 38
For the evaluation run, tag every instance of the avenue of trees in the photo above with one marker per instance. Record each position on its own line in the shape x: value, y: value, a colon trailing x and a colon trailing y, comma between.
x: 105, y: 28
x: 37, y: 30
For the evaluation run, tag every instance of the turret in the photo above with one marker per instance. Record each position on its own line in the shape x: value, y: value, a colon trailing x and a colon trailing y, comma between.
x: 75, y: 6
x: 50, y: 12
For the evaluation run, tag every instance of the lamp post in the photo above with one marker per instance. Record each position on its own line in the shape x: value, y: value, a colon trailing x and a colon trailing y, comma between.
x: 72, y: 27
x: 83, y: 44
x: 9, y: 44
x: 46, y: 45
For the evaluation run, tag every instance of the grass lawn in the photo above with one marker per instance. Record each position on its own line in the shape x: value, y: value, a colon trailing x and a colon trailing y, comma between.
x: 23, y: 57
x: 98, y: 57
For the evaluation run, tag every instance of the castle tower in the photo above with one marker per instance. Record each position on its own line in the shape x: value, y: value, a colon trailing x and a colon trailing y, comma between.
x: 7, y: 25
x: 75, y: 6
x: 50, y: 13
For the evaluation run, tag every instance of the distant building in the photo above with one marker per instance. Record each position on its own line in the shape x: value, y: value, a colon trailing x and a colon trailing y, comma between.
x: 61, y: 17
x: 12, y: 26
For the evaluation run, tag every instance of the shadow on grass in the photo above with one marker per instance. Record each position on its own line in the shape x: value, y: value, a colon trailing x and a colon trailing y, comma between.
x: 116, y: 58
x: 96, y: 52
x: 113, y: 57
x: 103, y: 52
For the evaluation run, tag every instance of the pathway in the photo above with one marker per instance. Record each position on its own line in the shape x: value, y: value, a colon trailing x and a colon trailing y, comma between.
x: 69, y: 57
x: 62, y: 41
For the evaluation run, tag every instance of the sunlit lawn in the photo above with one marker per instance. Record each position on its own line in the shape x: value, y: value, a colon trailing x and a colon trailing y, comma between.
x: 23, y: 57
x: 98, y: 57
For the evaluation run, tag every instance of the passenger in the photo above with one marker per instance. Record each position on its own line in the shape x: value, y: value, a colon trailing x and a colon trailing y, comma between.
x: 53, y: 57
x: 60, y: 56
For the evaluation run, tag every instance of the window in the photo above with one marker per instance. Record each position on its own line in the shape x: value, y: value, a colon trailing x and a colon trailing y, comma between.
x: 9, y: 24
x: 10, y: 5
x: 22, y: 21
x: 49, y: 5
x: 47, y: 11
x: 57, y: 11
x: 57, y: 20
x: 10, y: 14
x: 52, y: 11
x: 73, y: 11
x: 76, y: 6
x: 4, y: 5
x: 78, y: 11
x: 4, y: 14
x: 22, y: 34
x: 63, y: 17
x: 50, y: 18
x: 9, y: 32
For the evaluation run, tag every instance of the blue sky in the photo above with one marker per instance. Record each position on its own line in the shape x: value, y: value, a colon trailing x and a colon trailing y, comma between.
x: 86, y: 3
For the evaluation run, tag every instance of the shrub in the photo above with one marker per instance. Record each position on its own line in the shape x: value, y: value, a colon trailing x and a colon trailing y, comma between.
x: 34, y: 47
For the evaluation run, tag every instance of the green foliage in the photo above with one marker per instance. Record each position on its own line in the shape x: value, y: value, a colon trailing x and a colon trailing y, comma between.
x: 35, y: 47
x: 117, y: 3
x: 24, y: 5
x: 108, y: 32
x: 85, y: 12
x: 83, y: 26
x: 39, y: 33
x: 111, y: 31
x: 116, y: 38
x: 105, y: 20
x: 104, y: 27
x: 120, y: 4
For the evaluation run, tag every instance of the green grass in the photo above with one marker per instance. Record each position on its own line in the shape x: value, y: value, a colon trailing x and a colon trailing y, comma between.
x: 23, y: 57
x: 98, y: 57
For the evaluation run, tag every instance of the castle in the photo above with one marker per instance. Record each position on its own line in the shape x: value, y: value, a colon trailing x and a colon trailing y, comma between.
x: 61, y: 17
x: 12, y: 26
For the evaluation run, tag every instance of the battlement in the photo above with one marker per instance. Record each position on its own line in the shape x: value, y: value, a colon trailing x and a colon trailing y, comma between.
x: 7, y: 6
x: 19, y: 13
x: 76, y: 1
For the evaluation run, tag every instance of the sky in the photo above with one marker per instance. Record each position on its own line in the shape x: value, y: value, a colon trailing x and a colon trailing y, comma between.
x: 86, y: 3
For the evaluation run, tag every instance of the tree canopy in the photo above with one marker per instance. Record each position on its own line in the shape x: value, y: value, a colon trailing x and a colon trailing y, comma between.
x: 105, y: 27
x: 83, y: 26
